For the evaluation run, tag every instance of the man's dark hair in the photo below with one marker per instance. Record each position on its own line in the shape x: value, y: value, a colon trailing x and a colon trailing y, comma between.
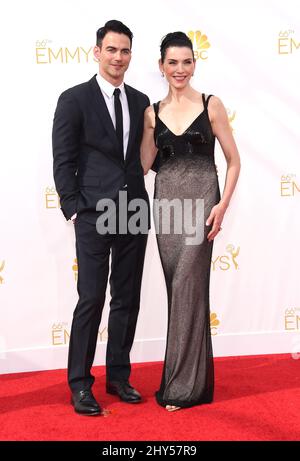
x: 113, y: 26
x: 174, y: 39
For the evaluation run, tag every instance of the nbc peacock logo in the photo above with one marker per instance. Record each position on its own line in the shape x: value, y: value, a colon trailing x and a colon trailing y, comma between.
x: 214, y: 323
x: 200, y: 44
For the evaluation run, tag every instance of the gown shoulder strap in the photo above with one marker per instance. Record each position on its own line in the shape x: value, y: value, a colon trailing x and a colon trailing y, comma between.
x: 156, y: 109
x: 205, y: 101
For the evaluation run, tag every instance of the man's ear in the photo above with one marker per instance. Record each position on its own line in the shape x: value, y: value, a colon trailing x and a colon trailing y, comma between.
x: 96, y: 52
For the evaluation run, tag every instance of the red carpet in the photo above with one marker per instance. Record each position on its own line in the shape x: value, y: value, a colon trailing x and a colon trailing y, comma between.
x: 256, y: 399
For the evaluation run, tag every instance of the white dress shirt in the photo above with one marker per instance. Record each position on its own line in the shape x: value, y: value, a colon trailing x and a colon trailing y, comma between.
x: 107, y: 90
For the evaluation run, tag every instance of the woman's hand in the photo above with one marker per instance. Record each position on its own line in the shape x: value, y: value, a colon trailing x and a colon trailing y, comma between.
x: 215, y: 218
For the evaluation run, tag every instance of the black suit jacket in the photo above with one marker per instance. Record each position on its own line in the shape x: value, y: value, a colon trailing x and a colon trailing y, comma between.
x: 87, y: 163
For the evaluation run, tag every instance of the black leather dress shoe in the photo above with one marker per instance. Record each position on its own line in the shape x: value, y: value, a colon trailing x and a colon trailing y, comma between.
x: 124, y: 390
x: 85, y: 403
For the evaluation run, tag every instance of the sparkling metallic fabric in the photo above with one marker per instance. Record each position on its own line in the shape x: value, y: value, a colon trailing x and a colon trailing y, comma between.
x: 187, y: 171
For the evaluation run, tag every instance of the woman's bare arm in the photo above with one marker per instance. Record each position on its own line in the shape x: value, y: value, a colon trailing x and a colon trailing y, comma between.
x: 223, y: 132
x: 148, y: 147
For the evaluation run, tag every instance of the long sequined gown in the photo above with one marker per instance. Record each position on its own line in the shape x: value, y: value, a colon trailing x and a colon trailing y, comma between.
x: 186, y: 171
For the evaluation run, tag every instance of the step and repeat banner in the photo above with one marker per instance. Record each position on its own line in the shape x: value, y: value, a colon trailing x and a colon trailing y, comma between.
x: 248, y: 54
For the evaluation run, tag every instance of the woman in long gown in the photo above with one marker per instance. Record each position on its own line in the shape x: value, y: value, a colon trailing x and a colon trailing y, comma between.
x: 180, y: 130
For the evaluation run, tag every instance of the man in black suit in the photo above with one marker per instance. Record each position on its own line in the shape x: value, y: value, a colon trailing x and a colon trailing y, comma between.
x: 97, y: 132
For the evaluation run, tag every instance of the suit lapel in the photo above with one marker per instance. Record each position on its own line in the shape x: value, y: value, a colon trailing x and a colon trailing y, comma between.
x: 99, y: 105
x: 133, y: 119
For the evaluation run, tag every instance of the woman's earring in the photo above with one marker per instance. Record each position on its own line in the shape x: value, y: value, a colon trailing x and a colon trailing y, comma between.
x: 162, y: 74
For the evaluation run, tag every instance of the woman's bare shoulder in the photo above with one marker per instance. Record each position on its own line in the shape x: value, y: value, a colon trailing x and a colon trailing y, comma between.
x: 149, y: 116
x: 214, y: 101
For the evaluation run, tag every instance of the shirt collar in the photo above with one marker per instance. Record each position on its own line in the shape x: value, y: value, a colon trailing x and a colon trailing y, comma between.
x: 107, y: 87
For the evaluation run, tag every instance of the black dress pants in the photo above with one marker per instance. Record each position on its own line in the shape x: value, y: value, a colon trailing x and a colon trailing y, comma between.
x: 127, y: 260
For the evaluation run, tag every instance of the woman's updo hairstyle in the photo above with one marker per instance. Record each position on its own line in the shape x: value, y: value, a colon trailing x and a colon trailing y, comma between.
x: 174, y: 39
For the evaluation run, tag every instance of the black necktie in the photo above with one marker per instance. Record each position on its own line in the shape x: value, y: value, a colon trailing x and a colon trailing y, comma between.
x: 119, y: 120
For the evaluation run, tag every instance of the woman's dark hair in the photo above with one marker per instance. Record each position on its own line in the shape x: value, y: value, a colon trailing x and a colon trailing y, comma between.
x: 174, y: 39
x: 113, y: 26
